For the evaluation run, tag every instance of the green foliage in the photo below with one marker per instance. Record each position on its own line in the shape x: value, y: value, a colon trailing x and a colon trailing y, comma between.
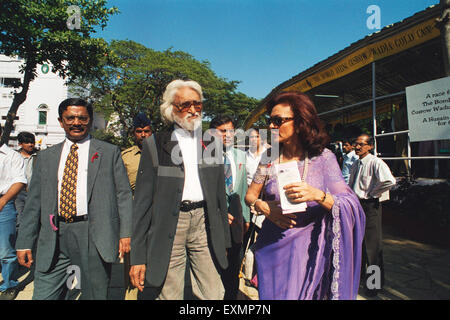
x: 37, y: 32
x: 132, y: 79
x: 106, y: 136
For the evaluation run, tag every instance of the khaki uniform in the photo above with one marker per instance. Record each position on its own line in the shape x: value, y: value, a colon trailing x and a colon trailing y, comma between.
x: 131, y: 158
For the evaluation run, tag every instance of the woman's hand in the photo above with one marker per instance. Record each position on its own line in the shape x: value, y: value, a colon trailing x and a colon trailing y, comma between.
x: 272, y: 211
x: 301, y: 192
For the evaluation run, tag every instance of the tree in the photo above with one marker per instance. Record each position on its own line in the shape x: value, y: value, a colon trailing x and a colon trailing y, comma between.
x: 132, y: 79
x: 45, y: 31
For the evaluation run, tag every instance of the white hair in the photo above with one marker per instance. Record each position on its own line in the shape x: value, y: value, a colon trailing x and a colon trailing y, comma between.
x: 169, y: 95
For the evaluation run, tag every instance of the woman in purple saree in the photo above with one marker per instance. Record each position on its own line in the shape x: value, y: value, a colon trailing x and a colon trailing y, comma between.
x: 314, y: 254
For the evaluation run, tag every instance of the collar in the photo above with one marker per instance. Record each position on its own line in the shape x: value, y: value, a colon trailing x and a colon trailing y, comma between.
x: 183, y: 132
x: 79, y: 143
x: 366, y: 159
x: 4, y: 148
x: 136, y: 150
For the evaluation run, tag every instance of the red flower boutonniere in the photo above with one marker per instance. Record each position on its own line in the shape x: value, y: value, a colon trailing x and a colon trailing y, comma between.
x: 95, y: 156
x: 240, y: 165
x: 269, y: 165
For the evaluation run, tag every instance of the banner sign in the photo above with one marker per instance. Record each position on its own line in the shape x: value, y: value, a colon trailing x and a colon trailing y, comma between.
x: 402, y: 41
x: 428, y: 106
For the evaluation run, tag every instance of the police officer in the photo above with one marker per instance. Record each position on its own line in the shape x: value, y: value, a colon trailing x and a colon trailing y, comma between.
x: 131, y: 156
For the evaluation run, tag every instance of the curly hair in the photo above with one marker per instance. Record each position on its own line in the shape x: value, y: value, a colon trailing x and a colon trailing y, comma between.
x: 312, y: 133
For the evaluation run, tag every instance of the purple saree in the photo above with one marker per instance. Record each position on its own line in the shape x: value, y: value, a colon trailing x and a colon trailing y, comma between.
x: 320, y: 258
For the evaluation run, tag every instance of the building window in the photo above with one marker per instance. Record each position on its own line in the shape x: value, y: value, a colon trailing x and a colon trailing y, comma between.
x: 42, y: 109
x: 42, y: 117
x: 10, y: 82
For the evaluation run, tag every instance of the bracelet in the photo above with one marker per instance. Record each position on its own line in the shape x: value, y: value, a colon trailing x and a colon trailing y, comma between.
x: 254, y: 202
x: 323, y: 198
x: 252, y: 206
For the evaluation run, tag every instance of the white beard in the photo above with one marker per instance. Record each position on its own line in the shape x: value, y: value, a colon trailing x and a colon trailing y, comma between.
x: 187, y: 124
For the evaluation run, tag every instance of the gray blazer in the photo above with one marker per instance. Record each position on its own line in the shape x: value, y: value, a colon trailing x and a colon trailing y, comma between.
x: 157, y: 199
x: 109, y: 203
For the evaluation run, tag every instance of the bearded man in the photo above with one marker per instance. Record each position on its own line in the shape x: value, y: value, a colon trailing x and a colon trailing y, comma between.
x: 180, y: 206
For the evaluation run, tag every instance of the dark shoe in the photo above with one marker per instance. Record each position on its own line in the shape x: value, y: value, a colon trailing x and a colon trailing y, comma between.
x: 9, y: 294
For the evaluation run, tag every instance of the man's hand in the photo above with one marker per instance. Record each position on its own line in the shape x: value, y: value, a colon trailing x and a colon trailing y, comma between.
x: 137, y: 276
x: 124, y: 246
x: 230, y: 219
x: 25, y: 258
x: 2, y: 204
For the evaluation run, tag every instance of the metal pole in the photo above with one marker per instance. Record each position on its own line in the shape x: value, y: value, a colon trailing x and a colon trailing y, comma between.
x: 374, y: 109
x: 409, y: 160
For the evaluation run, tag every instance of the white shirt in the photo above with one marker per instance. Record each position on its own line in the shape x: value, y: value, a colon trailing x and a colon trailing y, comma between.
x: 188, y: 143
x: 83, y: 160
x: 12, y: 169
x: 251, y: 164
x: 370, y: 177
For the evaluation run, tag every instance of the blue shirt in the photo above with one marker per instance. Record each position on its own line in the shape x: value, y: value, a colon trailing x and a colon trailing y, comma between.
x: 349, y: 159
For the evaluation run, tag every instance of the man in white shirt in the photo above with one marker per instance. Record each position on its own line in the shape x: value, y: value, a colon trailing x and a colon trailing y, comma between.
x: 12, y: 180
x: 180, y: 205
x: 370, y: 177
x: 236, y: 189
x: 349, y: 157
x: 28, y: 152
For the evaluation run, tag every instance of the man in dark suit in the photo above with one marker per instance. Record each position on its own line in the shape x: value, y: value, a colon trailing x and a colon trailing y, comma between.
x: 78, y: 209
x: 236, y: 189
x: 180, y: 205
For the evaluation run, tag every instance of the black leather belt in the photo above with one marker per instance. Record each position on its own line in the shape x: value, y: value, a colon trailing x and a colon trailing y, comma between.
x: 73, y: 219
x: 188, y: 205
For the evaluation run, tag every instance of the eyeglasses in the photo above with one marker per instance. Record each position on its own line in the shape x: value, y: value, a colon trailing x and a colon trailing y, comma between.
x: 355, y: 144
x: 81, y: 119
x: 185, y: 106
x: 278, y: 121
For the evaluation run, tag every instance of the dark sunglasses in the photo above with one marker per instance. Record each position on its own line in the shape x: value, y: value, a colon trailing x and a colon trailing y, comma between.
x: 278, y: 121
x: 185, y: 106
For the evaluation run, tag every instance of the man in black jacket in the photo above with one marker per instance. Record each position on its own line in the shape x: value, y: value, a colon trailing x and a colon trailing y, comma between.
x: 180, y: 205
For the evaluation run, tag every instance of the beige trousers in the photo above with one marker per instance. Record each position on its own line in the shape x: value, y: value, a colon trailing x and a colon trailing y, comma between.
x: 191, y: 239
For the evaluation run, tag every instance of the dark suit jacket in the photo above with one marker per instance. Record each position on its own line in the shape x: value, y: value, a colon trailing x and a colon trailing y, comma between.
x: 109, y: 203
x: 157, y: 198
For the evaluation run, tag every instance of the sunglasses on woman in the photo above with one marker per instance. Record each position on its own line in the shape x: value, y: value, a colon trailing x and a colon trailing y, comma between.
x: 278, y: 121
x: 185, y: 106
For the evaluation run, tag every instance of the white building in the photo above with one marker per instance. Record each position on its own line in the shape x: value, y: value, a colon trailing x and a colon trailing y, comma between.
x: 39, y: 113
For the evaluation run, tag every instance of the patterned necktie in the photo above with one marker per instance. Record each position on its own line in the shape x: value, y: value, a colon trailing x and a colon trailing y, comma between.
x: 228, y: 174
x: 68, y: 196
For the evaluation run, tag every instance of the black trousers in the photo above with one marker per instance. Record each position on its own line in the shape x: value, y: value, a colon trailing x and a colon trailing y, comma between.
x: 372, y: 252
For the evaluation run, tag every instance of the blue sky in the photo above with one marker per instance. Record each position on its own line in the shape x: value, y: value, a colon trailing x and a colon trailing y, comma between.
x: 261, y: 43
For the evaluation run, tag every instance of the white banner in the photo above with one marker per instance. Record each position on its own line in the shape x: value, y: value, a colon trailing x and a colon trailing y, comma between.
x: 428, y: 106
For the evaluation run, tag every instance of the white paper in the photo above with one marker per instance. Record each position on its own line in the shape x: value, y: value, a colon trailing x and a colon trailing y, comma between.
x: 288, y: 173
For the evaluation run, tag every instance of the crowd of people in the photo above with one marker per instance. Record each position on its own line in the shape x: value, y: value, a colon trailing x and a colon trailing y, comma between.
x: 176, y: 207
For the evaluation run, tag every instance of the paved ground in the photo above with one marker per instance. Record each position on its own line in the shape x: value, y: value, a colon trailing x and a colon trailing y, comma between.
x: 413, y: 271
